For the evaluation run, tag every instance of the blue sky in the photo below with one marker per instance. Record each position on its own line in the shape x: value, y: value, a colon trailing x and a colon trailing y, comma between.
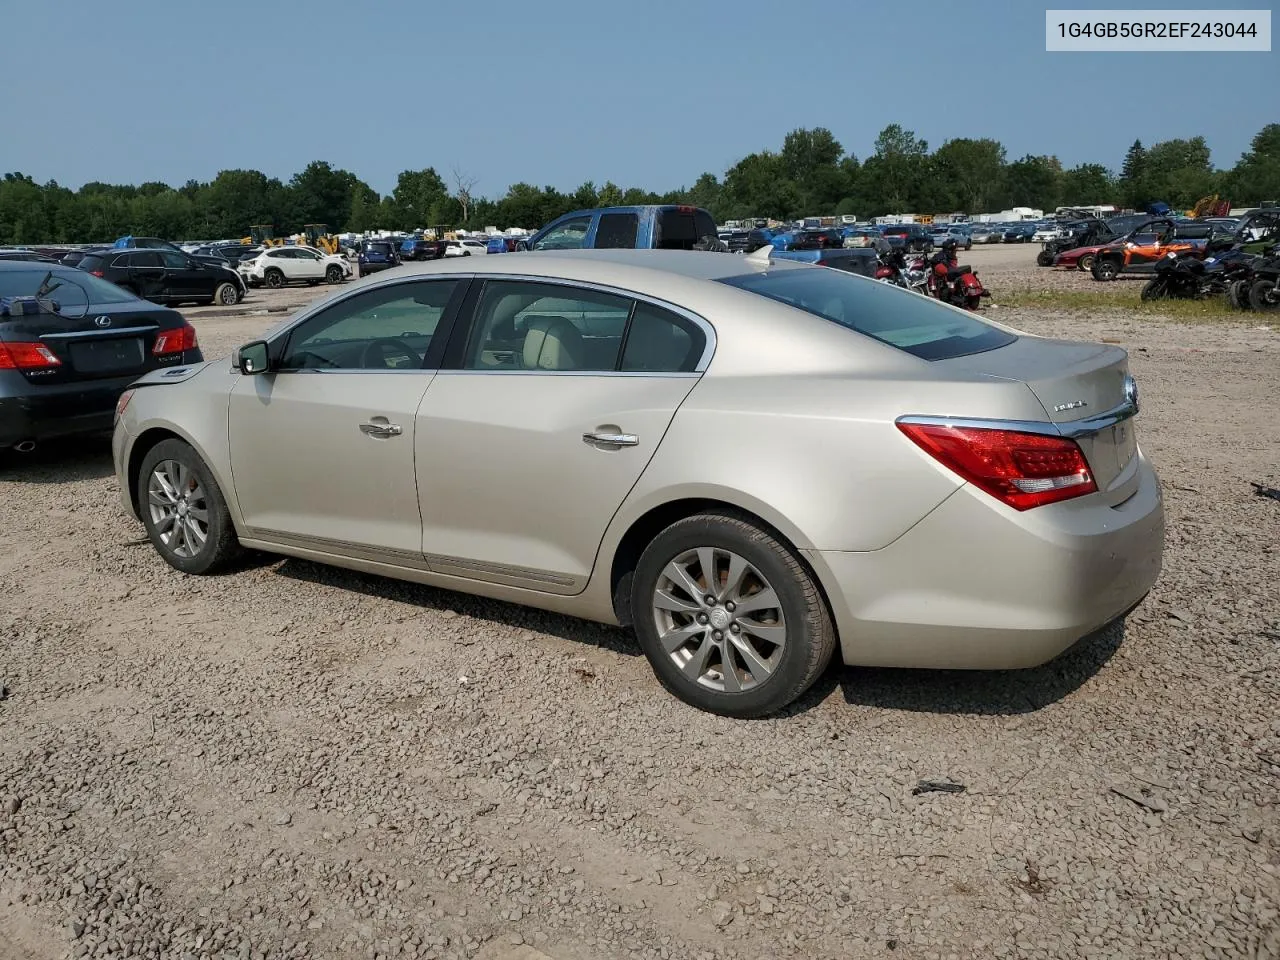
x: 555, y: 92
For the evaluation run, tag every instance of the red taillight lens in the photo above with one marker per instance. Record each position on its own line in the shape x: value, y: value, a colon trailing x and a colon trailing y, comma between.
x: 1022, y: 470
x: 27, y: 356
x: 175, y: 341
x: 97, y: 273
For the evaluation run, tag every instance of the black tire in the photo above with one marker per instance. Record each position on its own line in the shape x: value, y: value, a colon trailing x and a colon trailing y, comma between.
x: 1155, y: 289
x: 466, y: 253
x: 226, y: 294
x: 1263, y: 296
x: 972, y: 302
x: 810, y: 637
x: 1085, y: 262
x: 274, y: 279
x: 1238, y: 295
x: 313, y: 283
x: 1044, y: 258
x: 220, y: 547
x: 333, y: 274
x: 1105, y: 270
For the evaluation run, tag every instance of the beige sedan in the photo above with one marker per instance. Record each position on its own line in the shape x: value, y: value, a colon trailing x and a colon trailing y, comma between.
x: 754, y: 463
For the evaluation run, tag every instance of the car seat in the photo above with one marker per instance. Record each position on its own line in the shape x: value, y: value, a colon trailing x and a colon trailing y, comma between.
x: 553, y: 343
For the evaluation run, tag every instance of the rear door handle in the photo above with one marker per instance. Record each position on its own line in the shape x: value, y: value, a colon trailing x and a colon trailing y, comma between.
x: 380, y: 429
x: 611, y: 439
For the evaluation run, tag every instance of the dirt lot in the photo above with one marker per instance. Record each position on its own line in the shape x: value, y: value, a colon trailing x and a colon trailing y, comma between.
x: 294, y: 761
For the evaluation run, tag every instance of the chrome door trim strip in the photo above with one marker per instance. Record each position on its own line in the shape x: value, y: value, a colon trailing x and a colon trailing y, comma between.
x: 361, y: 551
x: 501, y: 570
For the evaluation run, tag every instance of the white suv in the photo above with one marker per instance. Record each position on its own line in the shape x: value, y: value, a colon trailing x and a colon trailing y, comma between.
x: 277, y: 266
x: 465, y: 248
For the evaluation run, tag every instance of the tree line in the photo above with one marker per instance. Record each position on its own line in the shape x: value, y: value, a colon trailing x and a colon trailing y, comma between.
x: 810, y: 175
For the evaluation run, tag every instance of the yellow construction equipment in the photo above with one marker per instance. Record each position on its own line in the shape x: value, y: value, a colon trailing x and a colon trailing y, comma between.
x: 261, y: 235
x: 318, y: 236
x: 1210, y: 206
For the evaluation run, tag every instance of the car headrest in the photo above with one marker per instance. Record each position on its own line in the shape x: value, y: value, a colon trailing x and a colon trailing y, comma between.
x: 552, y: 343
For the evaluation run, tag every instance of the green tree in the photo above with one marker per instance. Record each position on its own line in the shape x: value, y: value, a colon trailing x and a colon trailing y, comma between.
x: 1033, y: 182
x: 419, y: 196
x: 321, y: 194
x: 971, y: 171
x: 1132, y: 174
x: 1088, y: 184
x: 893, y: 177
x: 1257, y: 176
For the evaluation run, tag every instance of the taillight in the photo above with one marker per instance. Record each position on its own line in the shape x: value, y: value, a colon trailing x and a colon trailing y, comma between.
x: 97, y: 273
x: 123, y: 403
x: 27, y: 356
x: 175, y: 341
x: 1022, y: 470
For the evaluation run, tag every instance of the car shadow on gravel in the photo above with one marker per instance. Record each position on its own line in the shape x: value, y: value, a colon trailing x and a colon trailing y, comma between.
x: 980, y: 692
x: 59, y: 461
x: 495, y: 611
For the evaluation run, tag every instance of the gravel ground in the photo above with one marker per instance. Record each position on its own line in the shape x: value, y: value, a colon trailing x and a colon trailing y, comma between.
x: 294, y: 761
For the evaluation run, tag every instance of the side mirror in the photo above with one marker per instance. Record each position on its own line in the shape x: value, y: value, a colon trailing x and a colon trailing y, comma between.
x: 253, y: 358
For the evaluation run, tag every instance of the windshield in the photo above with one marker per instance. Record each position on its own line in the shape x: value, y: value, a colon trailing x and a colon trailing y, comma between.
x: 25, y: 283
x: 909, y: 321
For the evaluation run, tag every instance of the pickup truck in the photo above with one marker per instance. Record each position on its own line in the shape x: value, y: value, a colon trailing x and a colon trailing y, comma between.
x: 808, y: 246
x: 665, y: 227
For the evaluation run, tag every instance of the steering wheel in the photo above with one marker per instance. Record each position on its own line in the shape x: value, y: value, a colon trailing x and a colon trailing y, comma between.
x: 377, y: 350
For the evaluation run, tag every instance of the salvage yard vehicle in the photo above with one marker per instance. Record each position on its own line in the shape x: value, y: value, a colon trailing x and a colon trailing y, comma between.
x: 582, y: 432
x: 64, y: 366
x: 376, y: 255
x: 277, y: 266
x: 1182, y: 276
x: 912, y: 237
x: 166, y: 276
x: 1143, y: 249
x: 420, y: 249
x: 465, y: 247
x: 655, y: 227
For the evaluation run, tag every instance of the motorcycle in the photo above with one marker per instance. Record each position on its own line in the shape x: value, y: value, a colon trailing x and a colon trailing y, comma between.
x: 1264, y: 282
x: 1181, y: 276
x: 893, y: 268
x: 955, y: 284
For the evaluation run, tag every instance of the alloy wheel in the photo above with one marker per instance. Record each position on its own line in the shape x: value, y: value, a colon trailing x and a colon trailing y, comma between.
x: 178, y: 508
x: 719, y: 620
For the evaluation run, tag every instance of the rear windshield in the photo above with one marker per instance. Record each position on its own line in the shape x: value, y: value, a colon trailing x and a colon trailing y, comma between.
x: 90, y: 262
x: 24, y: 283
x: 378, y: 247
x: 916, y: 324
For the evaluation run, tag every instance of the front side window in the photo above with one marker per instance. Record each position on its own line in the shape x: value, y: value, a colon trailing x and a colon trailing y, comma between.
x: 390, y: 328
x: 915, y: 324
x: 523, y: 325
x: 173, y: 260
x: 570, y: 235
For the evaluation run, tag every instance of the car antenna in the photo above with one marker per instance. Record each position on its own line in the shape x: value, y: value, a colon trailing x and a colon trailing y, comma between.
x: 761, y: 254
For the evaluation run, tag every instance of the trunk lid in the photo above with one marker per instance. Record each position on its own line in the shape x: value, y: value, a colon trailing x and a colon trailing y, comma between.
x: 1076, y: 383
x: 109, y: 342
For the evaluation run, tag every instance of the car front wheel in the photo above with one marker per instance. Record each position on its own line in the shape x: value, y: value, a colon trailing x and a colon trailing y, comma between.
x: 729, y: 619
x: 1264, y: 297
x: 183, y: 510
x: 333, y: 274
x: 1105, y: 269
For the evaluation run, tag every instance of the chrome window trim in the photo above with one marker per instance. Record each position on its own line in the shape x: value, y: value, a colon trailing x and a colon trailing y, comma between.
x: 708, y: 331
x: 107, y: 331
x: 1072, y: 429
x: 704, y: 361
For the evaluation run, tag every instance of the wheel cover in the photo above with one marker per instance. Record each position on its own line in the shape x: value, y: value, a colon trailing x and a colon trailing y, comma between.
x: 178, y: 508
x: 226, y: 295
x: 719, y: 620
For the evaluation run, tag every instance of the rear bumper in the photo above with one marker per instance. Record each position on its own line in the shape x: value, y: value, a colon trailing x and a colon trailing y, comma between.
x: 368, y: 268
x: 31, y: 412
x: 975, y: 585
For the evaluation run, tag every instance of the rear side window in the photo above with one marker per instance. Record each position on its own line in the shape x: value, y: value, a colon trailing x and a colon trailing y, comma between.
x: 659, y: 341
x: 617, y: 231
x: 91, y: 262
x: 917, y: 325
x: 140, y: 258
x: 678, y: 230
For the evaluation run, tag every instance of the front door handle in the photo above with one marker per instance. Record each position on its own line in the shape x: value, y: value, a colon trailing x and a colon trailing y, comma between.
x: 611, y: 439
x: 380, y: 429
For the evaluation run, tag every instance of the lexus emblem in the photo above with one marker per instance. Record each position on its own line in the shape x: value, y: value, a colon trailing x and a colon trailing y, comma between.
x: 103, y: 321
x: 1131, y: 392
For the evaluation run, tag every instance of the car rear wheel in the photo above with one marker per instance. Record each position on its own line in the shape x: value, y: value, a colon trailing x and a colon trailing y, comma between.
x: 1044, y: 258
x: 1105, y: 269
x: 1264, y: 297
x: 728, y: 617
x: 1085, y: 262
x: 226, y: 295
x: 274, y: 279
x: 1238, y: 295
x: 183, y: 510
x: 333, y: 274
